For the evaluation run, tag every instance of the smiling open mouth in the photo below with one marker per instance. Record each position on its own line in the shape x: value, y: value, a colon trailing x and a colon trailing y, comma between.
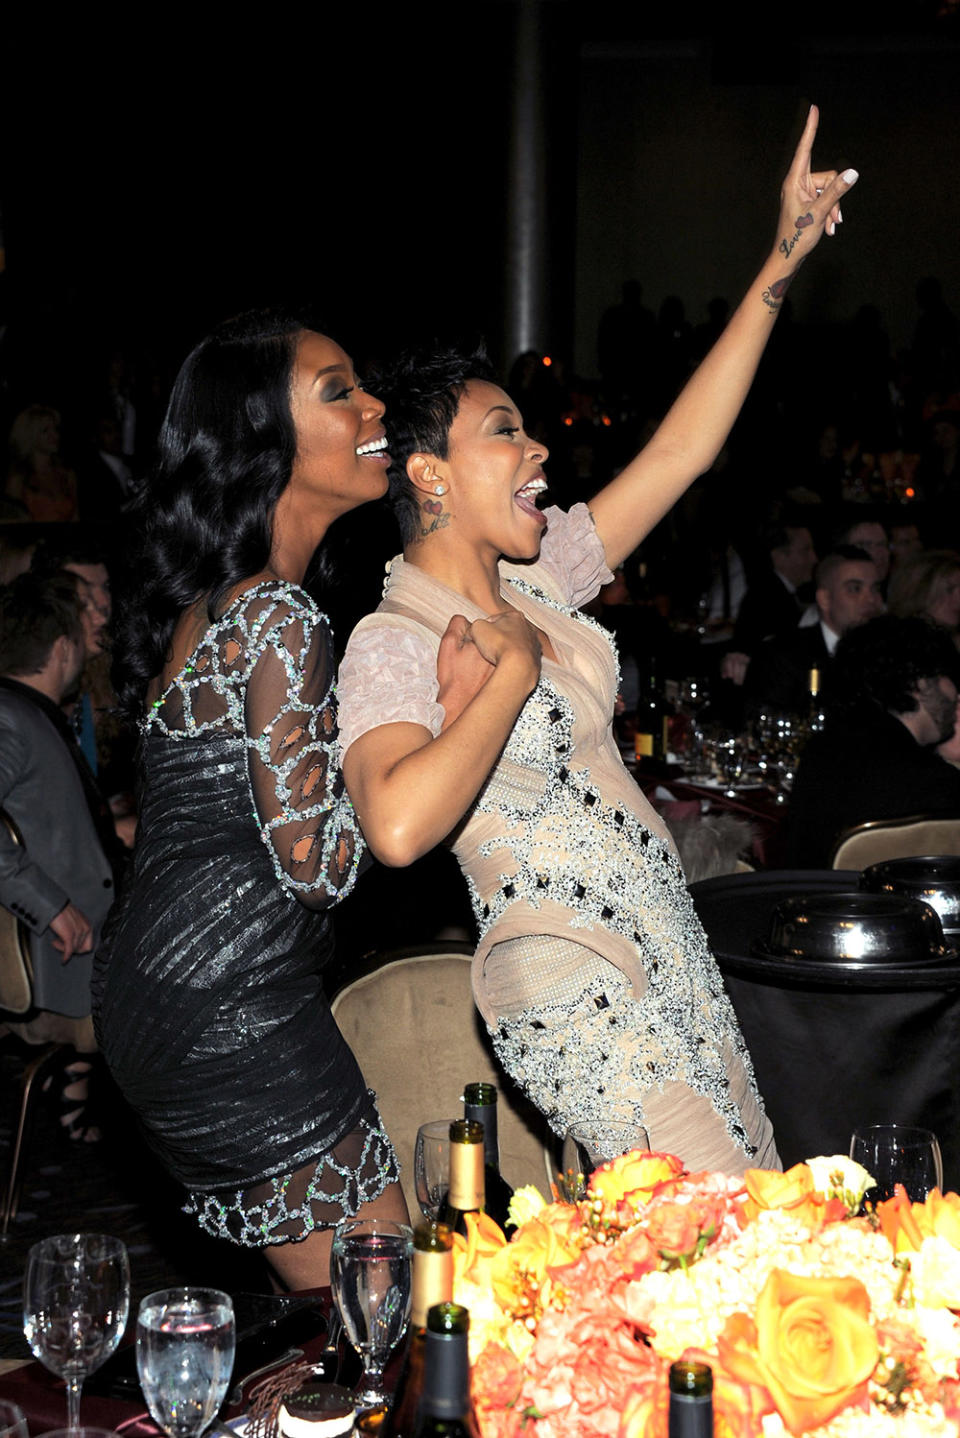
x: 374, y: 447
x: 526, y: 498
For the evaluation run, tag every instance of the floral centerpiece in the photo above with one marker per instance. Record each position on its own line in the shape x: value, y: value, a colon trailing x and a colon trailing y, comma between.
x: 813, y: 1320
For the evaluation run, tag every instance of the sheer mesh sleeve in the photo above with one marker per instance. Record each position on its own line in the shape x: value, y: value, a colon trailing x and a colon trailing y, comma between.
x: 306, y: 819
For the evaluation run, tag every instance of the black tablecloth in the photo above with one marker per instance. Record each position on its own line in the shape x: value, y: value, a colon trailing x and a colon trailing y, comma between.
x: 841, y: 1049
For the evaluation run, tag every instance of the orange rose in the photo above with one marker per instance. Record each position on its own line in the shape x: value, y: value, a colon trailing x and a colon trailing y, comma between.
x: 812, y: 1346
x: 634, y: 1177
x: 793, y: 1191
x: 674, y: 1229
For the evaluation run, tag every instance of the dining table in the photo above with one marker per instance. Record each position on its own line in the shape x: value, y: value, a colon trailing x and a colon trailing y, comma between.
x: 269, y: 1327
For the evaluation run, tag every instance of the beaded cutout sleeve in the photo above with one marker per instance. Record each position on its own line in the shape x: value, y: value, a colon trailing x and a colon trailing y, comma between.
x: 263, y: 675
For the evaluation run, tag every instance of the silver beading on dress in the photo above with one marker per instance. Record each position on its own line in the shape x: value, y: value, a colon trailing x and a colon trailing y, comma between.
x: 296, y: 745
x: 595, y: 858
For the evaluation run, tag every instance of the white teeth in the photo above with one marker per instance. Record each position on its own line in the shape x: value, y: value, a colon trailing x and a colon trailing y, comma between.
x: 374, y: 447
x: 536, y: 486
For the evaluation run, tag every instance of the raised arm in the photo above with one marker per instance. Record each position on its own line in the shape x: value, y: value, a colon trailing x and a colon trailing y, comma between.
x: 411, y: 788
x: 695, y: 428
x: 306, y: 819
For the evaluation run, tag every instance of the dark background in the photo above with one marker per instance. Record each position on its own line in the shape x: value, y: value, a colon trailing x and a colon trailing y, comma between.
x: 166, y: 167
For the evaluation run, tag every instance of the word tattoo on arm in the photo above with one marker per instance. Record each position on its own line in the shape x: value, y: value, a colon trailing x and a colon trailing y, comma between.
x: 773, y: 296
x: 802, y: 223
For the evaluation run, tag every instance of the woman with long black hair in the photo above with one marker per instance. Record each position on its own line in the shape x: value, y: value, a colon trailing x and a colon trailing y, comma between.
x: 208, y: 1001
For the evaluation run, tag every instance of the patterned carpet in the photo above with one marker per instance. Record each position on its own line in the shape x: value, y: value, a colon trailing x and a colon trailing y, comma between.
x: 111, y: 1187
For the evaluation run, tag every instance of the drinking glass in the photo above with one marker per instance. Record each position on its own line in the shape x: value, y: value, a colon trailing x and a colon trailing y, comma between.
x: 76, y: 1298
x: 588, y: 1145
x: 892, y: 1153
x: 431, y: 1165
x: 13, y: 1423
x: 370, y: 1276
x: 185, y: 1343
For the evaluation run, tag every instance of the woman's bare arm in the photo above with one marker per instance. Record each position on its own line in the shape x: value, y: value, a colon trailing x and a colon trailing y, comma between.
x: 694, y: 430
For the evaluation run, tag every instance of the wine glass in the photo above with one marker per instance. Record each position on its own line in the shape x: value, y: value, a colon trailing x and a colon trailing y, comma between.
x: 588, y: 1145
x: 76, y: 1298
x: 13, y: 1423
x: 893, y: 1153
x: 431, y: 1165
x: 185, y: 1343
x: 370, y: 1277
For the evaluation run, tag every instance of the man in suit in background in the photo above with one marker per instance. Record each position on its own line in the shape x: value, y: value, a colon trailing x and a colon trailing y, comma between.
x: 59, y: 882
x: 893, y: 701
x: 847, y: 594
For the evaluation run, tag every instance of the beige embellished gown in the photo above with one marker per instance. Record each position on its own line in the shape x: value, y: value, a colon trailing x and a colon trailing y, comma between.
x: 593, y: 972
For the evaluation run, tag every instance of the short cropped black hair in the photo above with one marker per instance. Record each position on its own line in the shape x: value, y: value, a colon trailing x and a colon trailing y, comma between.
x: 35, y: 610
x: 422, y: 391
x: 884, y: 662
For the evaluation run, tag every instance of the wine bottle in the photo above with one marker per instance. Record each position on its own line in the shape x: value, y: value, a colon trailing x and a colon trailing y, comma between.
x: 653, y: 717
x: 691, y: 1400
x: 815, y: 715
x: 480, y: 1106
x: 465, y: 1193
x: 432, y: 1284
x: 445, y: 1409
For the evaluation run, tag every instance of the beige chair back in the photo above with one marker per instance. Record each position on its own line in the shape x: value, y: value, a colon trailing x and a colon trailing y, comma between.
x: 896, y: 839
x: 16, y: 969
x: 418, y: 1040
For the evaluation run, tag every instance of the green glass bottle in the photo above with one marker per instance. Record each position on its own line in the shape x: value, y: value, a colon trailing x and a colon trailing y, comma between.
x: 445, y: 1408
x: 480, y: 1106
x: 691, y: 1400
x: 432, y: 1284
x: 465, y: 1193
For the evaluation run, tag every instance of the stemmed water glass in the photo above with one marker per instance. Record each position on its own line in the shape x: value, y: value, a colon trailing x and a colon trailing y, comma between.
x: 893, y: 1153
x: 588, y: 1145
x: 185, y: 1344
x: 76, y: 1298
x: 431, y: 1165
x: 370, y: 1276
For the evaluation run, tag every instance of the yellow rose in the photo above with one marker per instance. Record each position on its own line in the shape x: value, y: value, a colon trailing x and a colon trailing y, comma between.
x: 794, y: 1192
x: 484, y: 1238
x: 812, y: 1346
x: 633, y: 1177
x: 939, y: 1216
x: 519, y: 1271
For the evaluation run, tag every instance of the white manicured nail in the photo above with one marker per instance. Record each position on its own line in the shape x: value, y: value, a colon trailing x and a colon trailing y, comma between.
x: 850, y: 177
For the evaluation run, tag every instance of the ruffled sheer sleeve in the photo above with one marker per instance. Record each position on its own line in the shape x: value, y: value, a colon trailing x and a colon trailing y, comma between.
x: 388, y: 676
x: 572, y: 553
x: 290, y: 725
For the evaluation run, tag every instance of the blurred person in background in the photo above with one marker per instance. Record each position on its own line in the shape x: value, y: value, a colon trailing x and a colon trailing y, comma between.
x: 928, y: 585
x: 37, y: 478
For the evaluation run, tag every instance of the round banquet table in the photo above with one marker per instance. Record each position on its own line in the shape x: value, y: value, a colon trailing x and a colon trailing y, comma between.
x: 834, y: 1047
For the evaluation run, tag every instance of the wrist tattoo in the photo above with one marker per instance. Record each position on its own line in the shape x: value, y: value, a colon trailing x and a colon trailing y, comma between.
x: 802, y: 223
x: 434, y: 518
x: 773, y: 296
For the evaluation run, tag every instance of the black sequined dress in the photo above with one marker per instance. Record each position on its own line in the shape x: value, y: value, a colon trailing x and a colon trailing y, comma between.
x: 207, y: 994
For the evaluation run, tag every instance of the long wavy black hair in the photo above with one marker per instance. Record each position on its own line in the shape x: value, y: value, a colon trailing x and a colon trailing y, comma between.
x: 203, y: 520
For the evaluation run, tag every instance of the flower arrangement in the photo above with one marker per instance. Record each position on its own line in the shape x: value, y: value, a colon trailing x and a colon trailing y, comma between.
x: 813, y: 1320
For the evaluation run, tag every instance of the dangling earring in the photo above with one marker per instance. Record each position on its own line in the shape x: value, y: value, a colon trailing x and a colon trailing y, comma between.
x: 440, y: 489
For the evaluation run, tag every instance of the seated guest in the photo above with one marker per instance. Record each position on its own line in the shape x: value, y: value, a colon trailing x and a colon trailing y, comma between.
x: 928, y: 584
x: 847, y: 594
x: 893, y: 700
x: 862, y: 528
x: 772, y: 605
x: 59, y: 882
